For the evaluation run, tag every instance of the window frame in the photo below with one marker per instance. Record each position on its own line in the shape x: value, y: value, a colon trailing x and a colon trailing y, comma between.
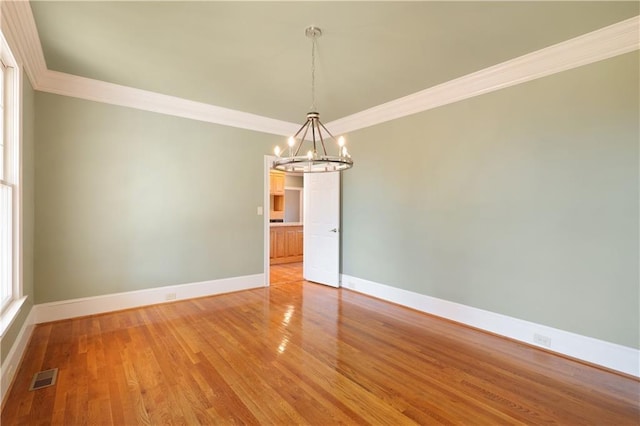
x: 12, y: 177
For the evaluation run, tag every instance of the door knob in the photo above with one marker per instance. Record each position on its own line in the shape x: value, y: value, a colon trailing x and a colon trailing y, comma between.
x: 334, y: 230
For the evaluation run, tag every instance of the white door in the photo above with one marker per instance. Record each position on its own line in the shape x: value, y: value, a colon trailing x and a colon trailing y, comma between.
x: 322, y: 228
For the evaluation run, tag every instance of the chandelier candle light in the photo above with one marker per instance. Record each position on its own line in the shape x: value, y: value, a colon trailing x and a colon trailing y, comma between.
x: 315, y: 159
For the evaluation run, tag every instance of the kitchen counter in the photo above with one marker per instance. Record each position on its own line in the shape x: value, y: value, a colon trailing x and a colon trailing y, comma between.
x: 276, y: 224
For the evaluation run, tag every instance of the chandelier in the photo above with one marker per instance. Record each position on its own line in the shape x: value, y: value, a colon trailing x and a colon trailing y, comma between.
x: 315, y: 159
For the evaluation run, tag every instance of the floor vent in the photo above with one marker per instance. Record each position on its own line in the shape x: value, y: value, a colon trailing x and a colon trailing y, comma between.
x: 43, y: 379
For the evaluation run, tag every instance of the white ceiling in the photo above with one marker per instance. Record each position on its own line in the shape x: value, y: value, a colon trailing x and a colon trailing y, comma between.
x: 254, y: 57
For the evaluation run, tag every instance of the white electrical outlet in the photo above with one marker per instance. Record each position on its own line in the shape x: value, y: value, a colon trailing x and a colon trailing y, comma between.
x: 542, y: 340
x: 170, y: 296
x: 259, y: 210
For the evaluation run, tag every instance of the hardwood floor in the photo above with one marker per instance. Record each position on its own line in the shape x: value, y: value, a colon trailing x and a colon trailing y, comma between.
x: 302, y: 353
x: 286, y: 273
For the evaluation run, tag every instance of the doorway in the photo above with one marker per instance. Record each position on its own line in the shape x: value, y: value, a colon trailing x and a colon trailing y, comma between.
x: 284, y: 232
x: 311, y: 246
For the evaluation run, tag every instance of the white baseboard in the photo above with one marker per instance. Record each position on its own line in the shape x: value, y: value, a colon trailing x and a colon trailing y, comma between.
x: 12, y: 361
x: 610, y: 355
x: 54, y: 311
x: 600, y: 352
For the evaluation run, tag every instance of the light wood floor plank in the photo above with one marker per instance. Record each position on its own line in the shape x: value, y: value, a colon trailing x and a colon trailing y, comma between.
x: 301, y: 353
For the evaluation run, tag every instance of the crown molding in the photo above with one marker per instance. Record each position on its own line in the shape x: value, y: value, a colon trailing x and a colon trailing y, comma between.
x: 100, y: 91
x: 19, y: 28
x: 607, y: 42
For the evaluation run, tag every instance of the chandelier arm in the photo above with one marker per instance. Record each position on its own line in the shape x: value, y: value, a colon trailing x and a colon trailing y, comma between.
x: 313, y: 134
x: 305, y: 126
x: 318, y: 124
x: 301, y: 129
x: 327, y: 130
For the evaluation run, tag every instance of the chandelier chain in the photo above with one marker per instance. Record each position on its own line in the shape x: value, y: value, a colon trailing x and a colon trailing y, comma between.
x: 313, y: 73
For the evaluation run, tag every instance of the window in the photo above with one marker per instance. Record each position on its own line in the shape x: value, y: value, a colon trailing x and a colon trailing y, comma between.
x: 10, y: 267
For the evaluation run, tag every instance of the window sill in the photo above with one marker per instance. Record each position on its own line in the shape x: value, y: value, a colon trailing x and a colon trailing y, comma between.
x: 10, y: 315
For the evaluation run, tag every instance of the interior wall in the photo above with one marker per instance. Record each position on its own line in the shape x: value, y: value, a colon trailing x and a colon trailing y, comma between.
x: 292, y: 206
x: 522, y: 202
x: 28, y: 181
x: 292, y: 202
x: 293, y: 181
x: 129, y: 199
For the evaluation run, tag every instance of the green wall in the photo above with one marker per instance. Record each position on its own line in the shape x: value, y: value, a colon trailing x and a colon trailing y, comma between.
x: 28, y: 116
x: 522, y: 202
x: 129, y: 200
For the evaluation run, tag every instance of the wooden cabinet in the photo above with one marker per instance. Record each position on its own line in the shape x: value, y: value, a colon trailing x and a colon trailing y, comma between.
x: 276, y: 182
x: 286, y: 245
x: 276, y: 195
x: 276, y: 211
x: 293, y: 237
x: 278, y: 240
